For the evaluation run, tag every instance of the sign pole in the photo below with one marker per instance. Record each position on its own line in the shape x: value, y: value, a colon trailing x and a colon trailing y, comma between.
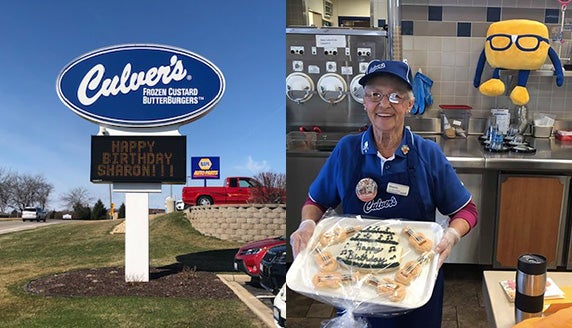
x: 137, y: 228
x: 136, y: 237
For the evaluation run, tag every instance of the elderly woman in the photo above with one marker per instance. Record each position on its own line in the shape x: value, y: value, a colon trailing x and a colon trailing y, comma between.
x: 411, y: 178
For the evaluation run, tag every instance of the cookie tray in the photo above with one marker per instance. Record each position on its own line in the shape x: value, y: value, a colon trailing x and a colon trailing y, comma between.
x: 359, y: 297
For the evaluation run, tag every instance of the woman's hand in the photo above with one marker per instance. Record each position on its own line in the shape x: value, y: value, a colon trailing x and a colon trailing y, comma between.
x: 299, y: 238
x: 450, y: 238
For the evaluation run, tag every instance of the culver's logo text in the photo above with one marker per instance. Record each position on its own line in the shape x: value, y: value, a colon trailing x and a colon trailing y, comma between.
x: 128, y: 81
x: 140, y: 85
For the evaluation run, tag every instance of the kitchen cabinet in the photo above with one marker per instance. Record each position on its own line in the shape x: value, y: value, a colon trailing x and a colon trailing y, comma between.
x: 531, y: 218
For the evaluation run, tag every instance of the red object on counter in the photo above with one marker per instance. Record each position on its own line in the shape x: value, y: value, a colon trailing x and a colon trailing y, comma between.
x: 308, y: 129
x: 455, y: 107
x: 564, y: 135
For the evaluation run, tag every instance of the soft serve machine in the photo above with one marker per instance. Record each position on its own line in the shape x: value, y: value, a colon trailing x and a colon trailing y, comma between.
x: 324, y: 100
x: 323, y: 67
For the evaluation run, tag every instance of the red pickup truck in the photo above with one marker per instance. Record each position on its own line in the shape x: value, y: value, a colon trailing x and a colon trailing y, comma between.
x: 236, y: 190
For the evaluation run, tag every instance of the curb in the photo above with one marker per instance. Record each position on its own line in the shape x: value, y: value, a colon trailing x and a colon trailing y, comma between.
x: 255, y: 305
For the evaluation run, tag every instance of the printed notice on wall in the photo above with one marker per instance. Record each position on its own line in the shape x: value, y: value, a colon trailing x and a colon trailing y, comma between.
x: 149, y: 159
x: 331, y: 41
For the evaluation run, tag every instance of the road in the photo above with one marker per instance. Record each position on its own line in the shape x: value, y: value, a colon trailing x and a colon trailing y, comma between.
x: 13, y: 225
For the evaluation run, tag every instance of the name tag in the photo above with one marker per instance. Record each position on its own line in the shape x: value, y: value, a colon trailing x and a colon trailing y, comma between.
x: 397, y: 189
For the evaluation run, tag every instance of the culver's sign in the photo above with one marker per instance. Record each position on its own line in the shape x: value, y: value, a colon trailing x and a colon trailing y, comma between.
x: 140, y: 86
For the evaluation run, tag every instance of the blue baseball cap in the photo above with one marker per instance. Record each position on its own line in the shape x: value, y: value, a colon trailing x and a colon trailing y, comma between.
x: 393, y: 67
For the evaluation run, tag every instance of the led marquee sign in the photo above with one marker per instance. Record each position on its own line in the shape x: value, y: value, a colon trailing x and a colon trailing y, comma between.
x: 138, y: 158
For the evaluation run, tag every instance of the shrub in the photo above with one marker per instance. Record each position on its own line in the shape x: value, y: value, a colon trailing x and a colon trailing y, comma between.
x: 81, y: 211
x: 99, y: 211
x: 272, y: 189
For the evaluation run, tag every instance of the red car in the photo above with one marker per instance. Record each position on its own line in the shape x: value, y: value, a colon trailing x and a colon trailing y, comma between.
x: 249, y: 256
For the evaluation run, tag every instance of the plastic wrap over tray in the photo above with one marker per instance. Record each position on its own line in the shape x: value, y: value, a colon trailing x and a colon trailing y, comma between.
x: 351, y: 285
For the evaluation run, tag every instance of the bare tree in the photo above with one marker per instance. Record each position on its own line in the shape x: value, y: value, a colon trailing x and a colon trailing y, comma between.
x: 7, y: 180
x: 22, y: 192
x: 43, y: 191
x: 29, y: 190
x: 78, y: 195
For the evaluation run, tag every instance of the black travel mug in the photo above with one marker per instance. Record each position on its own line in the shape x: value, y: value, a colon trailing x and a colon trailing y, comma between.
x: 530, y: 286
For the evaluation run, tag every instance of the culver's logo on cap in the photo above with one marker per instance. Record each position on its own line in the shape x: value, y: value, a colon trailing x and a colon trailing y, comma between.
x: 140, y: 86
x: 375, y: 67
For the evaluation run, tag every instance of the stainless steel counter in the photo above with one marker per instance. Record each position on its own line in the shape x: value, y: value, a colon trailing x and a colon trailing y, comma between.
x: 551, y: 155
x: 461, y: 152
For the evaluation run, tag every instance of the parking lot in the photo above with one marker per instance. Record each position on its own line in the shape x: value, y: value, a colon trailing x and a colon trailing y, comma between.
x: 258, y: 300
x: 260, y: 293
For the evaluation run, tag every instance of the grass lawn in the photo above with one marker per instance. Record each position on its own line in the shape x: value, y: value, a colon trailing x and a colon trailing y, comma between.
x: 53, y: 249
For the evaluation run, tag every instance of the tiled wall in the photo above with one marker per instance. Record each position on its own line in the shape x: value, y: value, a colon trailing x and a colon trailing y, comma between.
x: 468, y: 21
x: 444, y: 39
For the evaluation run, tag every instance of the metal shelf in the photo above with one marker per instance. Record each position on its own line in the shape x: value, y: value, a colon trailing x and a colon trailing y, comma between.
x: 540, y: 72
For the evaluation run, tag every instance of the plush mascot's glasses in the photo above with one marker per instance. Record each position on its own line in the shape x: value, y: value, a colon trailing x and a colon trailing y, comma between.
x: 524, y: 42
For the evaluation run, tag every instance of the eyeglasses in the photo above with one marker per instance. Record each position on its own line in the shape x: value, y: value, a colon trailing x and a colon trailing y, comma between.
x: 524, y: 42
x: 376, y: 97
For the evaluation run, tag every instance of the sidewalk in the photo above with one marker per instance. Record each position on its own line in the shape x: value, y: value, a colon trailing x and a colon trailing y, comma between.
x: 235, y: 282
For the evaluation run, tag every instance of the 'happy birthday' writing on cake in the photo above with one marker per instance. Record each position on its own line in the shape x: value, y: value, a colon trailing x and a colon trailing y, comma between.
x: 375, y: 247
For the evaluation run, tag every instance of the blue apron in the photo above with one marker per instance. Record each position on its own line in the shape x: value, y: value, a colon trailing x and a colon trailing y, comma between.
x: 410, y: 207
x: 387, y: 205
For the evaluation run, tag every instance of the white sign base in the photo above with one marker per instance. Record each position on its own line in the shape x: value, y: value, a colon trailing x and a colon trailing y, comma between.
x: 137, y: 229
x: 137, y: 237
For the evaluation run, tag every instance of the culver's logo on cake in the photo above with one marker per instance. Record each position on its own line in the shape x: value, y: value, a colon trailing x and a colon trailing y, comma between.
x: 140, y: 86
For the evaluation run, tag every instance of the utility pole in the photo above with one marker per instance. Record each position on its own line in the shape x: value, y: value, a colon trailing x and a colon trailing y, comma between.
x: 111, y: 205
x: 110, y: 196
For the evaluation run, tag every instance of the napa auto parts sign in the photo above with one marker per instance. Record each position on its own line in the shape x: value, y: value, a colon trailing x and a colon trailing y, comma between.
x: 140, y: 86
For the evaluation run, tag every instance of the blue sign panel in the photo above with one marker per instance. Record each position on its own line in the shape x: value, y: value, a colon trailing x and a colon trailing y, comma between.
x: 206, y: 167
x: 140, y: 86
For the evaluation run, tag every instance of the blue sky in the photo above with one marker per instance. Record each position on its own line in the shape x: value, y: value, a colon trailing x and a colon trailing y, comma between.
x: 39, y: 135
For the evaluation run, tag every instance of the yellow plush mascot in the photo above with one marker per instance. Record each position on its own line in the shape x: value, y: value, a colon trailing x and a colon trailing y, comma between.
x: 516, y: 44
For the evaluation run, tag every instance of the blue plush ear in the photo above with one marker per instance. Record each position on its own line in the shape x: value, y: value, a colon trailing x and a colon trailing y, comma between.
x: 557, y: 67
x: 479, y: 70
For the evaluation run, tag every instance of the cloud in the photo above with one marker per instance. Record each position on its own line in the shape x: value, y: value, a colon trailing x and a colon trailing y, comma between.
x: 255, y: 167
